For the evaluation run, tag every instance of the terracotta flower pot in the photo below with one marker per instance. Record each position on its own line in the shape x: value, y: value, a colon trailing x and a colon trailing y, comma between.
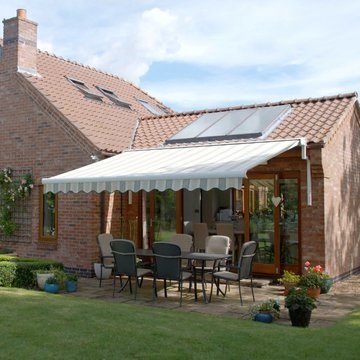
x: 313, y: 292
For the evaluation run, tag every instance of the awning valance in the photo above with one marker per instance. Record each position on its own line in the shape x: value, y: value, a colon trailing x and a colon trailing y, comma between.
x: 219, y: 166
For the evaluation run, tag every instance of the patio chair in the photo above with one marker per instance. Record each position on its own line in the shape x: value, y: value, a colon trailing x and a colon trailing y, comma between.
x: 214, y: 244
x: 200, y: 233
x: 227, y: 230
x: 185, y: 242
x: 106, y: 257
x: 244, y: 270
x: 168, y: 266
x: 125, y: 264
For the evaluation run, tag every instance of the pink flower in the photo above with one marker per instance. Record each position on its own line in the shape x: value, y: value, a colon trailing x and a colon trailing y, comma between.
x: 307, y: 263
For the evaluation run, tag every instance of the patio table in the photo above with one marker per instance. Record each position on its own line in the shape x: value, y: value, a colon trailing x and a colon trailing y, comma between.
x: 199, y: 256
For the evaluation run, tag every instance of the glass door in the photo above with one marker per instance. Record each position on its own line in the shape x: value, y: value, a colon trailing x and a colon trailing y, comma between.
x: 162, y: 215
x: 289, y: 224
x: 262, y: 223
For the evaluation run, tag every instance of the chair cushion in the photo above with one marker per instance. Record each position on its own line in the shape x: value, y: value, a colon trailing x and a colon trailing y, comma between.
x: 142, y: 272
x: 186, y: 275
x: 226, y: 275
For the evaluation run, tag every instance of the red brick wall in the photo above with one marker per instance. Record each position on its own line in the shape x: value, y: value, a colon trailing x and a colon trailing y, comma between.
x: 31, y: 139
x: 341, y: 159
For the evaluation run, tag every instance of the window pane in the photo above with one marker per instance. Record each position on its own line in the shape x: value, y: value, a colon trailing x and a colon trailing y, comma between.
x: 165, y: 215
x: 262, y: 219
x: 289, y: 221
x: 49, y: 210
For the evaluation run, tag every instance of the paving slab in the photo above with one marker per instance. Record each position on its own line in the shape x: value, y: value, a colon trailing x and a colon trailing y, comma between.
x: 340, y: 301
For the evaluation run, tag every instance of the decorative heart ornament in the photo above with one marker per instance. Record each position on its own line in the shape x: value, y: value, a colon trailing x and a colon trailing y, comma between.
x: 276, y: 200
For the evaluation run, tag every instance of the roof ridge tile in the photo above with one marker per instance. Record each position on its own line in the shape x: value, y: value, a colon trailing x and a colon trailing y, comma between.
x: 256, y: 105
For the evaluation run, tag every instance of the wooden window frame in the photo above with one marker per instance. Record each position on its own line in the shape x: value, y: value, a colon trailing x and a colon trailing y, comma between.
x: 43, y: 238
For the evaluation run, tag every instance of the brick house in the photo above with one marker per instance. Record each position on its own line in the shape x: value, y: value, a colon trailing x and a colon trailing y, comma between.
x: 57, y: 115
x: 301, y: 203
x: 316, y: 217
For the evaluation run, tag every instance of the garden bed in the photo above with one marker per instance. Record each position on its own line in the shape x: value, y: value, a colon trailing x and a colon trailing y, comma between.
x: 20, y: 272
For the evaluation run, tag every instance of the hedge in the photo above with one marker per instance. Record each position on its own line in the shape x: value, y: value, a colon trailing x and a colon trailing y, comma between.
x: 20, y: 272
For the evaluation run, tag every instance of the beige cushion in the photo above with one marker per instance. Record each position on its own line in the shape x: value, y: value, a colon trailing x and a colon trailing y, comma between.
x: 186, y: 275
x: 226, y: 275
x: 142, y: 272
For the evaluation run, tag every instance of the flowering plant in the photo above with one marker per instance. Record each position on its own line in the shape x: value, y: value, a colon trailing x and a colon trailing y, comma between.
x: 298, y: 299
x: 313, y: 277
x: 10, y: 191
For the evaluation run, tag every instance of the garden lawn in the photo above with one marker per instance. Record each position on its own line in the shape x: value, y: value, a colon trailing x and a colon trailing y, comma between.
x: 36, y: 325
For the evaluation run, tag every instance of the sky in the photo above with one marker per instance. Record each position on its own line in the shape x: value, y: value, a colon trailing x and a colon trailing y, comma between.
x: 207, y: 53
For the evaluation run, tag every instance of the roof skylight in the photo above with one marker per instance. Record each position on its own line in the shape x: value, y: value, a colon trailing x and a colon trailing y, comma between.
x: 233, y: 124
x: 85, y: 90
x: 152, y: 108
x: 114, y: 98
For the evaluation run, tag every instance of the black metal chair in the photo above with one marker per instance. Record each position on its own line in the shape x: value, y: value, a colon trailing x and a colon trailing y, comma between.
x: 244, y: 270
x: 125, y: 264
x: 167, y: 258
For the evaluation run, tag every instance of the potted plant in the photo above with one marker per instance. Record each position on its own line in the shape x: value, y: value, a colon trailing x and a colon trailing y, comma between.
x: 266, y: 312
x: 300, y: 306
x: 42, y: 276
x: 326, y: 283
x: 52, y: 285
x: 312, y: 280
x: 71, y: 283
x: 61, y: 278
x: 289, y: 280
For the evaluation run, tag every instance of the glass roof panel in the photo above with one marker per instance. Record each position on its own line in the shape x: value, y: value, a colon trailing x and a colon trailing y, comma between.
x: 260, y: 120
x: 198, y: 126
x: 231, y: 120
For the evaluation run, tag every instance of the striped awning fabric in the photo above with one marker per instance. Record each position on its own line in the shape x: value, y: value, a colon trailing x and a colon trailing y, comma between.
x: 204, y: 167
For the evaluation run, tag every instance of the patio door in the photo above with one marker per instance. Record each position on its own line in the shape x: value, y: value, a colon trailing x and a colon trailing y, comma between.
x: 263, y: 217
x: 163, y: 214
x: 272, y: 221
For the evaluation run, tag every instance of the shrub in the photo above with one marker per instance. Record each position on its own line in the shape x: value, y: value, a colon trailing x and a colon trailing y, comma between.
x: 7, y: 273
x: 6, y: 251
x: 289, y: 277
x: 25, y: 269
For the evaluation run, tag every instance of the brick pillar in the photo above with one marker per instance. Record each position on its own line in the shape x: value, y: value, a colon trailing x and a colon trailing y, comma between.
x: 20, y: 44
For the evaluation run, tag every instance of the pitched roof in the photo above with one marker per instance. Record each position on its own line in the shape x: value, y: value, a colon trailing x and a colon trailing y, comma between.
x: 312, y: 118
x: 108, y: 126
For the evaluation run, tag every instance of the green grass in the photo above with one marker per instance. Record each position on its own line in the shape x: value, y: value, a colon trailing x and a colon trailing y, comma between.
x: 35, y: 325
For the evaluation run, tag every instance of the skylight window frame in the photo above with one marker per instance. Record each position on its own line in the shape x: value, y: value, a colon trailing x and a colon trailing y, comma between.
x: 155, y: 110
x: 113, y: 97
x: 80, y: 85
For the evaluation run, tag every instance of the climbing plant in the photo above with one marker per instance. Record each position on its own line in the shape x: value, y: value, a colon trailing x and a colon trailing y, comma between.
x: 11, y: 191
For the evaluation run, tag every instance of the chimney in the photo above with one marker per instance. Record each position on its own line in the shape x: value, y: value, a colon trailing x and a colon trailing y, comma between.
x: 20, y: 44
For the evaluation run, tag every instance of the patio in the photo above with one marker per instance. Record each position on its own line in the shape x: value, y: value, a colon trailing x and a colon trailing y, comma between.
x: 341, y: 300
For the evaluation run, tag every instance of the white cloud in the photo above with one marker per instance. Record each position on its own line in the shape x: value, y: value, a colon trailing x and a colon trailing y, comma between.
x: 152, y: 38
x: 318, y: 39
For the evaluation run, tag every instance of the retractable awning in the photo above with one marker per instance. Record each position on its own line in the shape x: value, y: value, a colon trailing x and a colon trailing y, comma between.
x: 219, y: 166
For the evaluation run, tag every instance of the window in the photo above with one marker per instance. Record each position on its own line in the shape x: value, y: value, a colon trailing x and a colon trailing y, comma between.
x: 48, y: 216
x: 114, y: 98
x: 152, y: 108
x: 85, y: 90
